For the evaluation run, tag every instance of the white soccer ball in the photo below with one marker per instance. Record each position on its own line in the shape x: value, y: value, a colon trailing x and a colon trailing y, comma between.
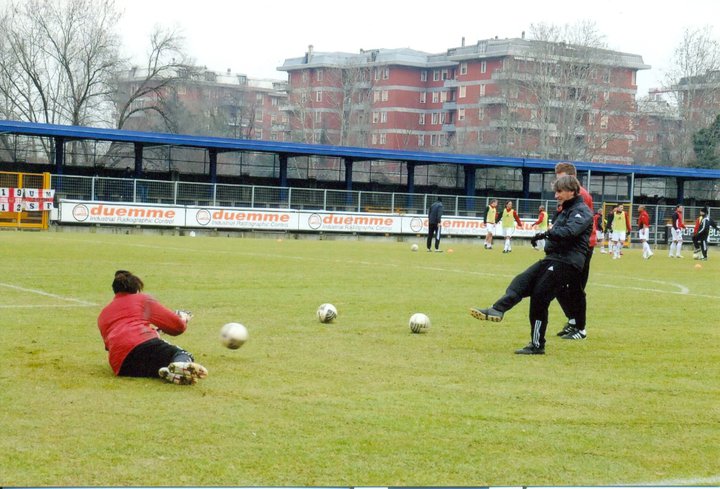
x: 419, y: 323
x: 414, y: 247
x: 233, y: 335
x: 326, y: 313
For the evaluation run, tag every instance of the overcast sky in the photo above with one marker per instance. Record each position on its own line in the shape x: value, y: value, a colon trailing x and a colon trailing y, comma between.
x: 254, y: 38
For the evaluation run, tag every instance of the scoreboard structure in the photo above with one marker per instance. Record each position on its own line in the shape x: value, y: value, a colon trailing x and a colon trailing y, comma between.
x: 26, y: 200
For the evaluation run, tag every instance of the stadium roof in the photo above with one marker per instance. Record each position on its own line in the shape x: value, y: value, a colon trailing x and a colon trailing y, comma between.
x: 290, y: 149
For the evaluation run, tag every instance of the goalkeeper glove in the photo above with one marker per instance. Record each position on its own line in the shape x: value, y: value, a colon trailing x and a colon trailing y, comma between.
x: 184, y: 315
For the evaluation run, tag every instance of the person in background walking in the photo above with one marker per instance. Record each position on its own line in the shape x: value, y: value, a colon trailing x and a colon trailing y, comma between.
x: 676, y: 233
x: 510, y: 219
x: 599, y: 225
x: 490, y: 220
x: 620, y: 230
x: 702, y: 233
x: 435, y: 224
x: 541, y: 225
x: 643, y: 222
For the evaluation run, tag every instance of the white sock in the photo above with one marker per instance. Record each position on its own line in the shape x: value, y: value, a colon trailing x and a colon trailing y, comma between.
x: 678, y: 249
x: 672, y: 249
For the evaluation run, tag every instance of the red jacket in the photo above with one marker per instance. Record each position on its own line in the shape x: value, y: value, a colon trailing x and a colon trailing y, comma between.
x: 643, y: 220
x: 587, y: 198
x: 125, y: 323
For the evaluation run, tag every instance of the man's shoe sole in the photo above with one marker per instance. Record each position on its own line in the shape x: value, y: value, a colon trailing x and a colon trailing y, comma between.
x: 478, y: 314
x: 188, y: 369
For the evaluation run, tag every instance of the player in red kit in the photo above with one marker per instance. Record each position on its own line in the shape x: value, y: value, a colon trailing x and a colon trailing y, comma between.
x: 643, y: 223
x: 676, y: 233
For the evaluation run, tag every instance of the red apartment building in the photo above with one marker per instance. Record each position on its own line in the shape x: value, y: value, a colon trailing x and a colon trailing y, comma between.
x: 499, y: 96
x: 209, y: 102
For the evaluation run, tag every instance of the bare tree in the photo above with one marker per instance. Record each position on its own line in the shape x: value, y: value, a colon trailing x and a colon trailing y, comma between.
x: 557, y: 103
x: 57, y: 60
x: 693, y: 84
x: 133, y: 87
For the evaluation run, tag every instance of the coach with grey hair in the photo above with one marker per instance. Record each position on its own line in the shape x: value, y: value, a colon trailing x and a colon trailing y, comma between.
x: 566, y: 247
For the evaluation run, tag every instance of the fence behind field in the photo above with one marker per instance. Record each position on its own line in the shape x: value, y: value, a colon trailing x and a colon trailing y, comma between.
x: 261, y: 197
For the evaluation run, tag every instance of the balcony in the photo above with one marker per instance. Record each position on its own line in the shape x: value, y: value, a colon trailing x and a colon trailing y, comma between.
x: 448, y: 127
x: 450, y: 105
x: 492, y: 101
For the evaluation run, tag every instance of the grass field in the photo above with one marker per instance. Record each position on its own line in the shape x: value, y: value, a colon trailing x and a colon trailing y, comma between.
x: 361, y: 401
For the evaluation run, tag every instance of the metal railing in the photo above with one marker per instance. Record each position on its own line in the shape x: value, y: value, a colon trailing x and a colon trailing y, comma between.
x: 254, y: 196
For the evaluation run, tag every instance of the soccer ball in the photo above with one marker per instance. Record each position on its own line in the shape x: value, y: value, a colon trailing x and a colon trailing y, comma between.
x: 233, y: 335
x: 414, y: 247
x: 419, y: 323
x: 326, y: 313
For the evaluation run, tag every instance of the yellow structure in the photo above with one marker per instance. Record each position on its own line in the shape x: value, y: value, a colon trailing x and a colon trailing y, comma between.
x: 25, y: 219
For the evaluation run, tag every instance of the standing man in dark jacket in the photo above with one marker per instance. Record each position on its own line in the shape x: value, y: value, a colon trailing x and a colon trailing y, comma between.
x: 435, y: 224
x: 566, y: 249
x: 702, y: 233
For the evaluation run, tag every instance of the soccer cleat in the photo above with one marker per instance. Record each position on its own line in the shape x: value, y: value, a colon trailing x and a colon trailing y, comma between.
x: 489, y: 314
x: 566, y: 329
x: 438, y: 251
x: 178, y: 379
x: 531, y: 349
x: 575, y: 334
x: 188, y: 369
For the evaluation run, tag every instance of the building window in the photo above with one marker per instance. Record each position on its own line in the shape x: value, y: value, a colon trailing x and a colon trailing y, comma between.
x: 274, y: 101
x: 461, y: 114
x: 462, y: 92
x: 421, y: 120
x: 436, y: 75
x: 374, y: 139
x: 383, y: 117
x: 318, y: 117
x: 423, y: 75
x: 259, y: 115
x: 376, y: 95
x: 423, y: 97
x: 377, y: 73
x: 445, y: 74
x: 305, y: 76
x: 649, y: 138
x: 375, y: 117
x: 384, y: 96
x: 181, y: 90
x: 258, y: 134
x: 443, y: 97
x: 319, y: 75
x: 435, y: 119
x: 481, y: 113
x: 303, y: 98
x: 318, y: 96
x: 421, y: 140
x: 433, y: 140
x: 633, y: 79
x: 383, y: 138
x: 604, y: 122
x: 483, y: 66
x: 274, y: 136
x: 463, y: 68
x: 386, y: 73
x: 482, y: 90
x: 435, y: 97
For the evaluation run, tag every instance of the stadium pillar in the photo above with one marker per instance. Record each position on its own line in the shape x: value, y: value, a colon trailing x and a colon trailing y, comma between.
x: 138, y: 160
x: 212, y: 156
x: 59, y: 155
x: 469, y: 186
x: 526, y: 183
x: 348, y: 173
x: 283, y: 159
x: 410, y: 185
x: 469, y: 180
x: 680, y: 190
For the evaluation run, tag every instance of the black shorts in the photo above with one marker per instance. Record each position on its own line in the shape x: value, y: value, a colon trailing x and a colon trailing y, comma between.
x: 147, y: 358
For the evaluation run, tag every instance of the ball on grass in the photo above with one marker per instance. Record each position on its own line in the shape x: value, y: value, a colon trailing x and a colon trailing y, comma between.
x: 419, y: 323
x: 233, y: 335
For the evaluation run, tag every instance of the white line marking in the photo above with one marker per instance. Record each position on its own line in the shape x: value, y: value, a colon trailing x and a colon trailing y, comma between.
x: 48, y: 294
x: 714, y: 479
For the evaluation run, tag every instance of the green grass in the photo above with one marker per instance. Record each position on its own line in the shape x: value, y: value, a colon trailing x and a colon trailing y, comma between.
x: 361, y: 401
